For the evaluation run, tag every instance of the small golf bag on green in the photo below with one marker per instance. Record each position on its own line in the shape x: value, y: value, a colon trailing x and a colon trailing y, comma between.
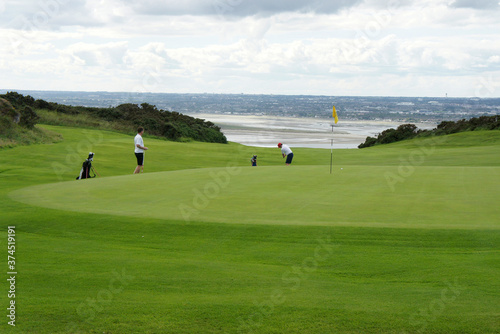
x: 87, y: 168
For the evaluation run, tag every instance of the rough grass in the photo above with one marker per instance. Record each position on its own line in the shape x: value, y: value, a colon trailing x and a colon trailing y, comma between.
x: 12, y: 135
x: 80, y: 120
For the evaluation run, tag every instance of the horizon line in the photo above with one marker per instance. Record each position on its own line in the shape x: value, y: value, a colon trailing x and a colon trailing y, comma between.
x: 251, y: 94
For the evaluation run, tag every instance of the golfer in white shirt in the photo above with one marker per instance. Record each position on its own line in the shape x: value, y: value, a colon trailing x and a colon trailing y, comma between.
x: 286, y: 152
x: 139, y: 150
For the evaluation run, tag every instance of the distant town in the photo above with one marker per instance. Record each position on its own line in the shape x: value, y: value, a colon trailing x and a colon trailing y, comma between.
x: 398, y: 109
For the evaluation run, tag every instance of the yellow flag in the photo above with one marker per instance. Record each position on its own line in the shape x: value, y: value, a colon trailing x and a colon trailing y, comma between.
x: 335, y: 115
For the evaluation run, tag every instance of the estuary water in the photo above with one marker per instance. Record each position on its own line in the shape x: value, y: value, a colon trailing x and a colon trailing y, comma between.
x: 268, y: 131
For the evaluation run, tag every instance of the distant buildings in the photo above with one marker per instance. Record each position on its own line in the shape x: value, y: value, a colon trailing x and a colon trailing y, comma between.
x: 402, y: 109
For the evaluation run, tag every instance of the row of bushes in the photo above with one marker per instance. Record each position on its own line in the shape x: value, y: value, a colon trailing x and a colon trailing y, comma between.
x: 172, y: 125
x: 162, y: 123
x: 476, y: 123
x: 409, y: 131
x: 404, y: 131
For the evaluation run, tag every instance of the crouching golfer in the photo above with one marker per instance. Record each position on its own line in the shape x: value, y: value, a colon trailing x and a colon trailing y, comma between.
x: 286, y: 152
x: 139, y: 150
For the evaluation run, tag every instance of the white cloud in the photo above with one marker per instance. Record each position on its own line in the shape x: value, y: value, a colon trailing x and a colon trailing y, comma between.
x: 476, y: 4
x: 104, y: 55
x: 294, y: 47
x: 237, y: 8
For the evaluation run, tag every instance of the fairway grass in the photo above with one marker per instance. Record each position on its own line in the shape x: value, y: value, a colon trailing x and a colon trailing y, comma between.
x: 401, y: 238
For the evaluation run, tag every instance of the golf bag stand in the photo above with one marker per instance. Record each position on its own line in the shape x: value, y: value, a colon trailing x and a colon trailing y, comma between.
x: 87, y: 168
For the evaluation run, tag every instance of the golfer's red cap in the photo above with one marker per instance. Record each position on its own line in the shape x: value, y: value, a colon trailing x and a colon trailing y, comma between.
x: 279, y: 145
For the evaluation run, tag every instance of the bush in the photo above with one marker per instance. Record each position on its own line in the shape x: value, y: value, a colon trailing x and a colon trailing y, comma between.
x: 42, y: 104
x: 7, y: 110
x: 404, y: 131
x: 28, y: 118
x: 370, y: 141
x: 19, y: 100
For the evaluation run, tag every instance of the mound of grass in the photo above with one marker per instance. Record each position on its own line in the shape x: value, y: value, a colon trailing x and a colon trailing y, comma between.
x: 12, y: 135
x: 258, y: 257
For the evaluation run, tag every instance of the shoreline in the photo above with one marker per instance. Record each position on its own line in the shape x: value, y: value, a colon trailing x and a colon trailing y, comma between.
x: 309, y: 132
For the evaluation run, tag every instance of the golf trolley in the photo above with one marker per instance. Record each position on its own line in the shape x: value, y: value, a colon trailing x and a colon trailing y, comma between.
x: 87, y: 168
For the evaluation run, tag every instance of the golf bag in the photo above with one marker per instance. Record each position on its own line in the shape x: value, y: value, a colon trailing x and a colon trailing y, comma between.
x: 254, y: 160
x: 85, y: 172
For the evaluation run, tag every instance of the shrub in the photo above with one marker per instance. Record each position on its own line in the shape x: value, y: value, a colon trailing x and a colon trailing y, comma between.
x: 8, y: 111
x: 28, y: 118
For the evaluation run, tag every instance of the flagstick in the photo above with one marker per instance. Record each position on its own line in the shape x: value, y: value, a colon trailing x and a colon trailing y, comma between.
x: 331, y: 153
x: 334, y: 115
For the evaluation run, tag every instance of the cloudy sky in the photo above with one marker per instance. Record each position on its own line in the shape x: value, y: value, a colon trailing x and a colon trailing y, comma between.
x: 317, y: 47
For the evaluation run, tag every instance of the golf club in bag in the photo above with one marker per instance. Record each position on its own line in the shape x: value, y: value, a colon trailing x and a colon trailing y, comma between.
x: 87, y: 168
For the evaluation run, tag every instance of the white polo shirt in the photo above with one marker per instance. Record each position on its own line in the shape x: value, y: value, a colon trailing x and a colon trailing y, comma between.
x: 285, y: 149
x: 138, y: 140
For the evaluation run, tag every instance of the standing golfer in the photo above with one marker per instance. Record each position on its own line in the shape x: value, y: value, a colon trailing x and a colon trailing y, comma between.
x: 286, y: 152
x: 139, y: 150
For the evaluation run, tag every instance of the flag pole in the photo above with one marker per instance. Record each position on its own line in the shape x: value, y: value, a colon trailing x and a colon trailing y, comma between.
x: 331, y: 153
x: 336, y: 119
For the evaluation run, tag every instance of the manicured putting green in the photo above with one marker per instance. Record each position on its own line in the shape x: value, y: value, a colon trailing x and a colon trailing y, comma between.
x: 431, y: 197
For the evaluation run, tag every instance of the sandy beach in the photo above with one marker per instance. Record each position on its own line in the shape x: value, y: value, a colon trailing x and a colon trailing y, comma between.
x: 267, y: 131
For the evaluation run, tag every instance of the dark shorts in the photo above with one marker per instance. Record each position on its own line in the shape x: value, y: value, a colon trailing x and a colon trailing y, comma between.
x: 289, y: 158
x: 140, y: 159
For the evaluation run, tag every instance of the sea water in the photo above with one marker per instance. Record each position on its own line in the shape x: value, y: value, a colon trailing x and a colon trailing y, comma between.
x: 268, y: 131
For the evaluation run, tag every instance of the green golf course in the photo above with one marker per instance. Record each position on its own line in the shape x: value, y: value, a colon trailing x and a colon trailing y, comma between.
x: 400, y: 238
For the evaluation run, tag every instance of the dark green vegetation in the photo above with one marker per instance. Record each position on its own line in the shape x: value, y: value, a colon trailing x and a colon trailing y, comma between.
x: 428, y: 261
x: 410, y: 131
x: 124, y: 118
x: 18, y: 127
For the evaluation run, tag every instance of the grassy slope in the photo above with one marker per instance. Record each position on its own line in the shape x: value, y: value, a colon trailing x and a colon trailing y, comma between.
x: 210, y: 277
x: 14, y: 135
